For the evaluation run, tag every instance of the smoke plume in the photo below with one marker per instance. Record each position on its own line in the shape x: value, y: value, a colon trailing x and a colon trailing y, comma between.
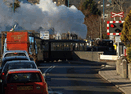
x: 46, y: 15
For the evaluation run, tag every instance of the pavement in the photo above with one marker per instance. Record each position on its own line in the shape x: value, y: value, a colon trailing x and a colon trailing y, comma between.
x: 108, y: 72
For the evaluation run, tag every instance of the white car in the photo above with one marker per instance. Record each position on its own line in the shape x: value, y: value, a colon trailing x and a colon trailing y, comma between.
x: 15, y: 53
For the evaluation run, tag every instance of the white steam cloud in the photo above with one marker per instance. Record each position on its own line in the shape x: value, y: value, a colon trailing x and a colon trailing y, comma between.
x: 45, y: 15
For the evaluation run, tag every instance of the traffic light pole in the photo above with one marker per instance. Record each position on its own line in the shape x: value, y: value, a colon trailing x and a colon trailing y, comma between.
x: 100, y: 30
x: 118, y: 51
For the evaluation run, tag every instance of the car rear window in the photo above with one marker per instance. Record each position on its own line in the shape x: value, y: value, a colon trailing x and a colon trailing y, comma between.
x: 15, y: 54
x: 23, y: 78
x: 4, y: 62
x: 19, y: 66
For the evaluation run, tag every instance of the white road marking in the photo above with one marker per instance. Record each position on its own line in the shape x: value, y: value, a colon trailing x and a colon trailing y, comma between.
x: 54, y: 92
x: 47, y: 69
x: 50, y: 91
x: 51, y: 68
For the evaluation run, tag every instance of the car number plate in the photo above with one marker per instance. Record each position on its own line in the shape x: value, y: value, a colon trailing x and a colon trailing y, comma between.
x: 25, y: 88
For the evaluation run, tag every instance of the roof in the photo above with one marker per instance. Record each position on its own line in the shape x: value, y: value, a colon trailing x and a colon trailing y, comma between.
x: 24, y: 71
x: 15, y: 57
x: 69, y: 41
x: 15, y: 51
x: 16, y: 61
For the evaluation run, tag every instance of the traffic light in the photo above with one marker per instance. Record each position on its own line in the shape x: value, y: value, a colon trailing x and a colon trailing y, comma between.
x: 114, y: 27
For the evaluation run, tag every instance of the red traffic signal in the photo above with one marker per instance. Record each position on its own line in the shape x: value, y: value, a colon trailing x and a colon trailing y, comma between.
x: 112, y: 25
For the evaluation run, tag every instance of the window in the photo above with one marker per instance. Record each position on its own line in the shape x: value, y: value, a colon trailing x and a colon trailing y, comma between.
x: 18, y: 65
x: 15, y: 54
x: 23, y: 77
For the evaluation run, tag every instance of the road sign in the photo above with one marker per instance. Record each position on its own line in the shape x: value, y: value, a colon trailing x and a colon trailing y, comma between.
x: 114, y: 27
x: 117, y: 39
x: 117, y: 14
x: 44, y: 35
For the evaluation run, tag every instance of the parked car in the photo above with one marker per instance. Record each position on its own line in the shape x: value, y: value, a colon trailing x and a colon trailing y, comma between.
x: 25, y: 81
x: 14, y: 53
x: 13, y: 58
x: 18, y: 64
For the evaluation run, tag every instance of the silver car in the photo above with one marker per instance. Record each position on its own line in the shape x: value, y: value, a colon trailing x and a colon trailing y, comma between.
x: 15, y: 53
x: 12, y: 58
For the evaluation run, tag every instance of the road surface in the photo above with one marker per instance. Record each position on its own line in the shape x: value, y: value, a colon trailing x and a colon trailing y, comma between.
x: 79, y: 77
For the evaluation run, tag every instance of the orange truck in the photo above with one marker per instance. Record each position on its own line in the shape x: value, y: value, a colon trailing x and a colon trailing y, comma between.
x: 20, y: 40
x: 17, y: 41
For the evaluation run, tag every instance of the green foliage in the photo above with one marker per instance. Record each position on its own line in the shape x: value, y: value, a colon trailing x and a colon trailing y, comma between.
x: 92, y: 7
x: 129, y: 54
x: 126, y: 35
x: 126, y: 31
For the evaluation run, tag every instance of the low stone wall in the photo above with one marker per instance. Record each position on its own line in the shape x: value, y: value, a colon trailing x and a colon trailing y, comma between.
x: 87, y: 55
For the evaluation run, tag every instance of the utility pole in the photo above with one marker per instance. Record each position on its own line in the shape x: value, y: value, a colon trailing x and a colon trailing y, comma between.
x: 117, y: 7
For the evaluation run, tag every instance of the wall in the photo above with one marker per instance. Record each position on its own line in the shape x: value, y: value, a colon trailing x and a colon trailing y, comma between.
x: 88, y: 55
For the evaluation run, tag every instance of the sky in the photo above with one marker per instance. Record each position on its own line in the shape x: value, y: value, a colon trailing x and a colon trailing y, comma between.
x: 45, y: 14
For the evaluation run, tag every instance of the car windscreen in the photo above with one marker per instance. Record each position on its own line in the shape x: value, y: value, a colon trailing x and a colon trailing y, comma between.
x: 23, y: 78
x: 15, y: 54
x: 25, y: 65
x: 11, y: 59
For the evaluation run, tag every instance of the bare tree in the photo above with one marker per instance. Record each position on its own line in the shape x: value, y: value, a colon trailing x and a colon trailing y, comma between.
x: 93, y: 26
x: 92, y: 18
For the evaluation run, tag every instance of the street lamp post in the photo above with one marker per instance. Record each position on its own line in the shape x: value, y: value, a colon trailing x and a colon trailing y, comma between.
x: 68, y: 3
x: 103, y: 15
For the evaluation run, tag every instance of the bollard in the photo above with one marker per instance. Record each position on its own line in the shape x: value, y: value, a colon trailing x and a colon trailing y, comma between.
x: 124, y: 68
x: 129, y: 71
x: 118, y: 65
x: 117, y: 62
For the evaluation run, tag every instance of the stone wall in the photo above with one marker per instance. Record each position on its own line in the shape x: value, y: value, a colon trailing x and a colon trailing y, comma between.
x: 87, y: 55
